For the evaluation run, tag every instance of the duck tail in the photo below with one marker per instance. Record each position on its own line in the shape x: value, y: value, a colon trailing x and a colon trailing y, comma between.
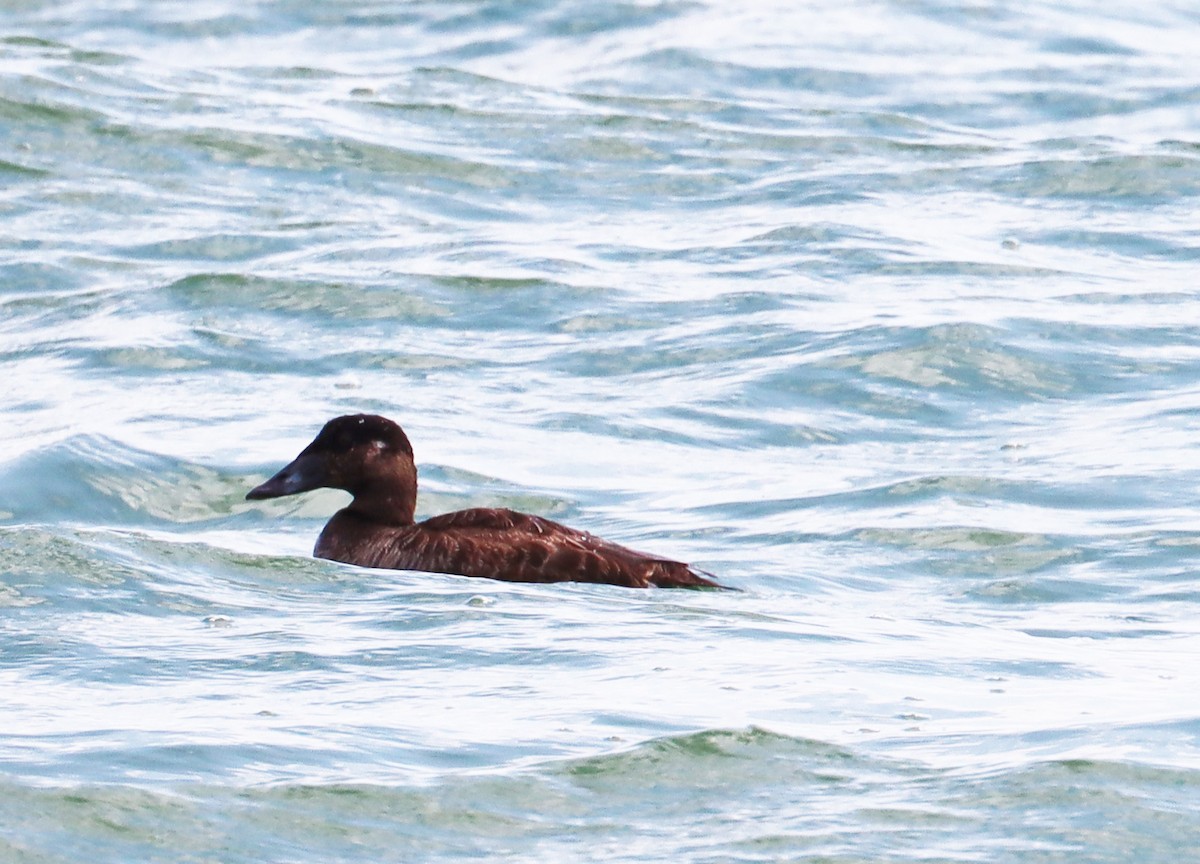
x: 672, y: 574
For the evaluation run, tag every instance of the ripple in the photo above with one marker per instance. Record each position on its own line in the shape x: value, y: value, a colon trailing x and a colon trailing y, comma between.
x: 886, y: 318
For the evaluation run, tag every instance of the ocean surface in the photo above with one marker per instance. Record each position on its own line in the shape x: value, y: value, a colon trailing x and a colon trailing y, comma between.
x: 887, y: 313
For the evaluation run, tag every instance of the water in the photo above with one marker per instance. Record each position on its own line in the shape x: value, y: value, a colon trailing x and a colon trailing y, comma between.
x: 885, y: 313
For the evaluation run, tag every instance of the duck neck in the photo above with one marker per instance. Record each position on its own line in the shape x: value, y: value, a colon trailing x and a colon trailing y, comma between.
x: 389, y: 499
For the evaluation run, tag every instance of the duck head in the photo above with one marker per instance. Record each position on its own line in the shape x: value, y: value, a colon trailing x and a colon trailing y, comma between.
x: 364, y: 454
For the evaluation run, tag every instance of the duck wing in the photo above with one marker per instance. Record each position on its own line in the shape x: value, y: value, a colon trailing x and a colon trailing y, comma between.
x: 517, y: 547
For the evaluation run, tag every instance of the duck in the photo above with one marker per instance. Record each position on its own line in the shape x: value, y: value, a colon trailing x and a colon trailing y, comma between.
x: 370, y: 457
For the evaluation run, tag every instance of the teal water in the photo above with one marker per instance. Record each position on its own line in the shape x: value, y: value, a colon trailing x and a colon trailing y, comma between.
x: 885, y: 313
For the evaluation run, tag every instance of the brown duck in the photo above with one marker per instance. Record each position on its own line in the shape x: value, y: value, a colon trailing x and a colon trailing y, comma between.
x: 370, y: 457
